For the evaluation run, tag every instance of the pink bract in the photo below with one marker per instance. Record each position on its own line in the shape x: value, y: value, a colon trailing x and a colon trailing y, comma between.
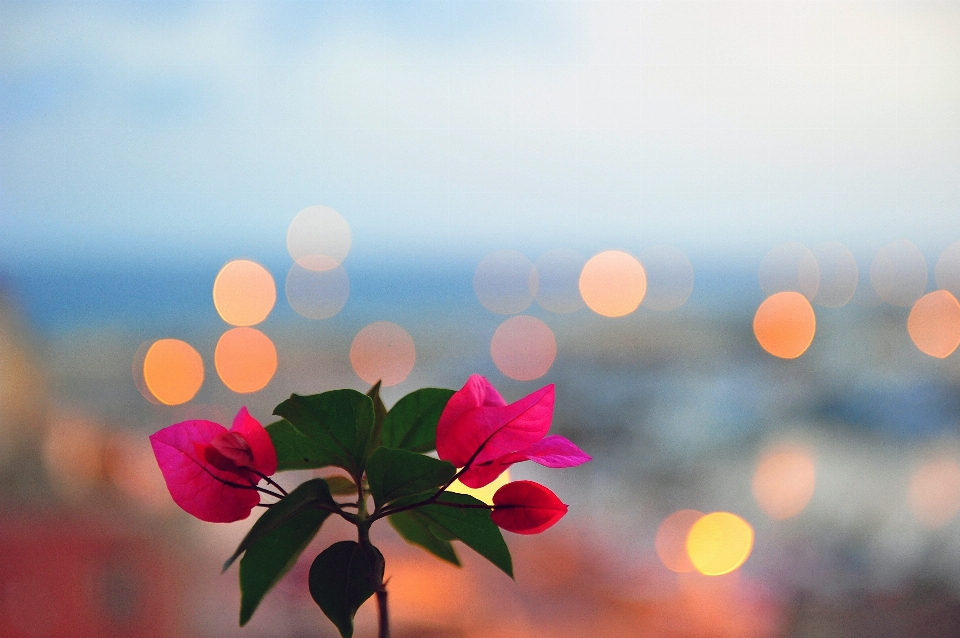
x: 478, y: 427
x: 205, y: 465
x: 525, y: 507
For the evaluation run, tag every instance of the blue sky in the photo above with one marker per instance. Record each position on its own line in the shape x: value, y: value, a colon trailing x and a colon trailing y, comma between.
x: 198, y: 130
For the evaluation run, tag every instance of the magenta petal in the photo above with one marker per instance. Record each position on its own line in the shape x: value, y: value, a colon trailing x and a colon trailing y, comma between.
x: 525, y: 507
x: 475, y: 393
x: 480, y: 475
x: 261, y: 445
x: 191, y: 480
x: 551, y: 451
x: 516, y: 426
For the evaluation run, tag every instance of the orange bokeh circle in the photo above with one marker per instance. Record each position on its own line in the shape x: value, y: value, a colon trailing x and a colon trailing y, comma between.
x: 383, y: 351
x: 244, y: 293
x: 671, y: 540
x: 934, y: 324
x: 172, y: 371
x: 246, y: 359
x: 523, y: 348
x: 785, y: 324
x: 613, y: 283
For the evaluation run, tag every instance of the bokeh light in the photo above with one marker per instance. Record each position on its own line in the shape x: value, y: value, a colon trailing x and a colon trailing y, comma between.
x: 947, y: 271
x: 505, y: 282
x: 484, y: 493
x: 790, y: 267
x: 934, y: 491
x: 318, y: 238
x: 934, y: 324
x: 317, y: 294
x: 523, y: 348
x: 671, y: 540
x: 669, y: 278
x: 839, y: 274
x: 244, y: 293
x: 899, y: 273
x: 383, y: 351
x: 784, y: 481
x: 558, y: 276
x: 172, y: 371
x: 613, y: 283
x: 785, y: 324
x: 719, y: 543
x: 246, y: 359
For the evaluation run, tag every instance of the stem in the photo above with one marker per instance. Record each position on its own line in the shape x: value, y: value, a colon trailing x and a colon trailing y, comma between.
x: 382, y: 611
x: 269, y: 481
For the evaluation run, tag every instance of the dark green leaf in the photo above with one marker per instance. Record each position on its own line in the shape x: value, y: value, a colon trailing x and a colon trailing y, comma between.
x: 411, y: 424
x: 308, y: 495
x: 340, y: 422
x: 295, y: 451
x: 472, y: 526
x: 416, y: 528
x: 341, y: 486
x: 342, y: 577
x: 271, y: 556
x: 379, y: 414
x: 394, y: 474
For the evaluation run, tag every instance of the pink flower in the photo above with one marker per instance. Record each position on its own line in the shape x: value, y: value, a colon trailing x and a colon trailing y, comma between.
x: 479, y: 431
x: 525, y: 507
x: 212, y: 472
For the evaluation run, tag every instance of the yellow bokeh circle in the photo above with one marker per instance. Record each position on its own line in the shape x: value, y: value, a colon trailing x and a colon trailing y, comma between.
x: 719, y: 543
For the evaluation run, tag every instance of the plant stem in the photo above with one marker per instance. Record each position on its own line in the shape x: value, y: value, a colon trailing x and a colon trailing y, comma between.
x: 382, y: 611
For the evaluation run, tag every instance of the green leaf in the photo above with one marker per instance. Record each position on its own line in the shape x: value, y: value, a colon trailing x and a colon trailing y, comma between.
x: 394, y: 474
x: 295, y: 451
x: 340, y: 422
x: 272, y: 555
x: 411, y: 424
x: 379, y: 414
x: 341, y: 486
x: 416, y: 528
x: 472, y: 526
x: 308, y: 495
x: 342, y: 577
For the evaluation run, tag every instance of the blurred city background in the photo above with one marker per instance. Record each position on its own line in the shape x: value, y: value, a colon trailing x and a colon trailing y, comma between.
x: 727, y: 231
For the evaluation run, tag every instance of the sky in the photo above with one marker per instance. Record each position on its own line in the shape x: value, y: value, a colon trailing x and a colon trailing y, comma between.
x: 182, y: 131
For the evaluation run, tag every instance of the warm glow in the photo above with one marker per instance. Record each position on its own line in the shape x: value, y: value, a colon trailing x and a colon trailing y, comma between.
x: 484, y: 493
x: 558, y: 275
x: 244, y: 293
x: 383, y: 351
x: 790, y: 267
x: 505, y: 282
x: 899, y: 273
x: 785, y: 324
x: 246, y: 359
x: 671, y: 540
x: 934, y: 324
x: 784, y: 480
x: 317, y: 294
x: 132, y: 468
x: 73, y: 455
x: 523, y: 348
x: 318, y: 238
x: 613, y: 283
x: 669, y: 278
x: 719, y: 543
x: 172, y: 371
x: 839, y: 274
x: 934, y: 492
